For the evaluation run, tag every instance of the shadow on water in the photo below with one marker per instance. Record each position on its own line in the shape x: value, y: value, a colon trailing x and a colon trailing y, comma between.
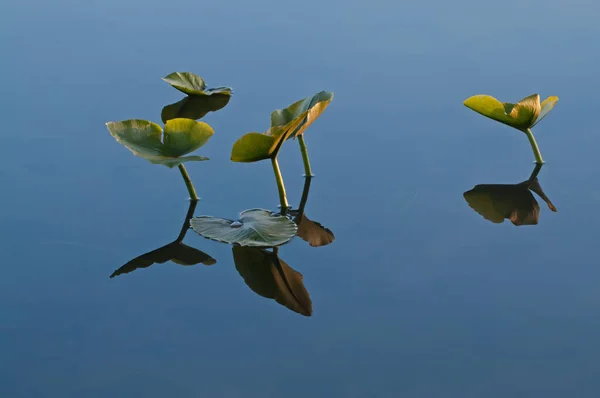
x: 176, y: 251
x: 514, y: 202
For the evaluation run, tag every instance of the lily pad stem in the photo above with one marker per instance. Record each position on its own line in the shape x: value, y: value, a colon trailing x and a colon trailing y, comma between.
x: 280, y: 187
x: 534, y: 147
x: 188, y: 182
x: 307, y: 171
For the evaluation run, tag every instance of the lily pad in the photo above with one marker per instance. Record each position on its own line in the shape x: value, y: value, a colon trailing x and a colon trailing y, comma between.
x: 194, y: 106
x: 148, y: 140
x: 192, y: 84
x: 256, y: 227
x: 269, y: 276
x: 285, y: 124
x: 522, y: 115
x: 307, y: 110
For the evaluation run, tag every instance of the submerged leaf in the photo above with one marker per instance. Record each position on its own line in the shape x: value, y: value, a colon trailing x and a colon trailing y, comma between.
x: 256, y: 227
x: 521, y: 115
x: 269, y: 276
x: 147, y: 140
x: 194, y: 106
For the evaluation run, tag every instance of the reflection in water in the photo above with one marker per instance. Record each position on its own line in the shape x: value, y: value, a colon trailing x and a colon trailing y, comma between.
x: 515, y: 202
x: 269, y: 276
x: 175, y: 251
x: 195, y: 106
x: 310, y: 231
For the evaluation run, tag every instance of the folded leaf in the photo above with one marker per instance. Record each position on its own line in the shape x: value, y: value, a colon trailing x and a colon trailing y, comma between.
x: 194, y: 106
x: 546, y: 107
x: 305, y: 112
x: 253, y: 147
x: 521, y: 115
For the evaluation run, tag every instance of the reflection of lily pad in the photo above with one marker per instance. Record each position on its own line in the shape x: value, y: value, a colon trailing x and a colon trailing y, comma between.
x: 522, y: 115
x: 285, y: 123
x: 194, y: 106
x: 313, y: 232
x: 148, y: 140
x: 515, y: 202
x: 176, y: 252
x: 256, y: 227
x: 192, y: 84
x: 269, y: 276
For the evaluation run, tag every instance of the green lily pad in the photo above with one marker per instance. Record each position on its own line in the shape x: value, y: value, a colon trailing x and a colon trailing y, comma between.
x: 148, y: 140
x: 256, y: 227
x: 522, y: 115
x: 194, y: 106
x: 306, y: 110
x: 285, y: 124
x: 269, y: 276
x: 192, y: 84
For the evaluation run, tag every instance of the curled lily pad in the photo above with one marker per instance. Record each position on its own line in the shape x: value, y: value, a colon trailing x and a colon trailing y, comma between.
x: 148, y: 140
x: 256, y: 227
x: 285, y: 123
x: 522, y: 115
x: 192, y: 84
x: 269, y: 276
x: 307, y: 110
x: 194, y: 106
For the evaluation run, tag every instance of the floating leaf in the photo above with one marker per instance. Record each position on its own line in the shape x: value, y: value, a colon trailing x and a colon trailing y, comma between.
x: 176, y: 252
x: 269, y: 276
x: 194, y: 107
x: 515, y: 202
x: 192, y: 84
x: 147, y: 139
x: 256, y: 227
x: 305, y: 112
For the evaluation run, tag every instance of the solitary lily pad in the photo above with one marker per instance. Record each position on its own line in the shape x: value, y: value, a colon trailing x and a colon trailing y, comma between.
x: 285, y: 123
x: 148, y: 140
x: 192, y: 84
x: 194, y: 106
x: 269, y: 276
x: 522, y: 115
x: 256, y: 227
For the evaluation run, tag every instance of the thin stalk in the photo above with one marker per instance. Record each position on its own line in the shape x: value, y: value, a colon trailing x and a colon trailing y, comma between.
x: 280, y: 187
x: 188, y: 182
x: 307, y: 171
x: 534, y: 146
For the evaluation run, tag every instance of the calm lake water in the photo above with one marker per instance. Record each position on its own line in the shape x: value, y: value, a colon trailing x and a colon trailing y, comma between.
x: 418, y: 296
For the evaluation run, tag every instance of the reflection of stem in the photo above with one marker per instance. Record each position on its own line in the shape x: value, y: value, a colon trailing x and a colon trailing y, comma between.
x: 188, y: 182
x: 307, y: 171
x: 304, y: 197
x: 280, y: 187
x: 534, y: 146
x: 186, y: 223
x: 534, y: 173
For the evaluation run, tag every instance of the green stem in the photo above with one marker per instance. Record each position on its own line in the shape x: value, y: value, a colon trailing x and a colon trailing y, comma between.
x: 188, y: 182
x: 307, y: 171
x: 534, y: 146
x: 280, y: 187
